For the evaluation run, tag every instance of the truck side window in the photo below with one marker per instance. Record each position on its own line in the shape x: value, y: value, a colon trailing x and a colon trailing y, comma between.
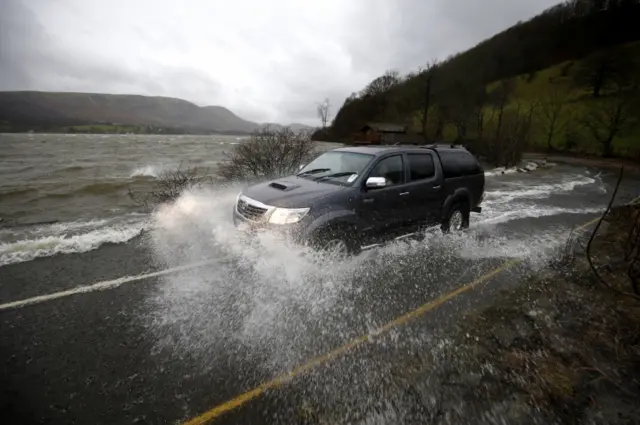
x: 420, y: 166
x: 450, y: 165
x: 391, y: 169
x: 469, y: 164
x: 458, y: 163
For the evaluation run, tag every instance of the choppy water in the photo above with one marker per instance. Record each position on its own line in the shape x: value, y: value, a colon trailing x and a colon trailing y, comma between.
x: 83, y: 177
x: 69, y: 193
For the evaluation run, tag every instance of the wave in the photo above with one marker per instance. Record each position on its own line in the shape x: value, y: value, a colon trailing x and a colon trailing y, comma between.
x: 535, y: 212
x: 102, y: 188
x: 539, y: 191
x: 523, y: 168
x: 71, y: 169
x: 26, y: 168
x: 500, y: 171
x: 18, y: 192
x: 95, y: 189
x: 147, y: 171
x: 42, y: 244
x: 53, y: 227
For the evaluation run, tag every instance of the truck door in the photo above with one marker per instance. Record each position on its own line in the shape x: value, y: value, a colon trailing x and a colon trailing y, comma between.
x: 424, y: 184
x: 385, y: 208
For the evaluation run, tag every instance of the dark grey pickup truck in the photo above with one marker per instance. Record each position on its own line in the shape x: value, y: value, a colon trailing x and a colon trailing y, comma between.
x: 349, y: 197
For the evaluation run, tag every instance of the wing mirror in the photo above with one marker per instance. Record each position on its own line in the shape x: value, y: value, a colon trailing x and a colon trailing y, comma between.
x: 376, y: 182
x: 300, y: 167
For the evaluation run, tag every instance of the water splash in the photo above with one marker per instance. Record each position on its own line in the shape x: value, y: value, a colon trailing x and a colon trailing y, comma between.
x: 274, y: 304
x: 147, y: 171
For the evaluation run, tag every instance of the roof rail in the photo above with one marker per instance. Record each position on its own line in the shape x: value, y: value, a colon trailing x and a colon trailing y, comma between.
x: 442, y: 145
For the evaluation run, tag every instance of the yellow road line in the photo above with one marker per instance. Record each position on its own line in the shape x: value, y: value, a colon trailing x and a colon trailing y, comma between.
x: 587, y: 224
x: 242, y: 399
x: 302, y: 369
x: 590, y: 222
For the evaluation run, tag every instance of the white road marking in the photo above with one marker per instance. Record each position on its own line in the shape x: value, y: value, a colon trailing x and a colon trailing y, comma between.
x: 375, y: 245
x: 101, y: 286
x: 406, y: 236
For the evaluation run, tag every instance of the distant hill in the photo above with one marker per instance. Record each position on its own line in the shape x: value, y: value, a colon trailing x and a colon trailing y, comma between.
x: 31, y: 110
x: 294, y: 126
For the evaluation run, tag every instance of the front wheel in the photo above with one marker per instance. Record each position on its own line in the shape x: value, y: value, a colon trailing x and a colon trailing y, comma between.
x: 457, y: 219
x: 336, y: 241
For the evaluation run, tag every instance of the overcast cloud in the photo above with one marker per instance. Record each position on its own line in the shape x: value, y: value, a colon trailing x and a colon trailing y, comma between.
x: 268, y: 61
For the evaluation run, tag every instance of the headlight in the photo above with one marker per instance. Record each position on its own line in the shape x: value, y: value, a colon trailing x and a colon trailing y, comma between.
x: 287, y: 215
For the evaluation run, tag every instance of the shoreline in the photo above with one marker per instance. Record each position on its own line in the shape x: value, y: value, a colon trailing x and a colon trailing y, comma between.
x: 610, y: 163
x: 44, y: 133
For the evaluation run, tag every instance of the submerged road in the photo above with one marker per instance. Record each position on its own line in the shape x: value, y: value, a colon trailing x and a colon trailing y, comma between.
x: 177, y: 344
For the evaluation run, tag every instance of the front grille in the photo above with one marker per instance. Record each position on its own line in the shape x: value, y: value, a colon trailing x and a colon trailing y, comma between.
x: 250, y: 211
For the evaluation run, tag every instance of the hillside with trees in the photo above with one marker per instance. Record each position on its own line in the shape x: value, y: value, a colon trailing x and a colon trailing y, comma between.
x: 566, y: 80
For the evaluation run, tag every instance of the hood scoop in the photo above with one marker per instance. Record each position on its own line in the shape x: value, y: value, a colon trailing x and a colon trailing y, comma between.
x: 283, y: 185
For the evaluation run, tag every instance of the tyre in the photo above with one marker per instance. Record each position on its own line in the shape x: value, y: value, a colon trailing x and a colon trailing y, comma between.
x: 457, y: 218
x: 340, y: 241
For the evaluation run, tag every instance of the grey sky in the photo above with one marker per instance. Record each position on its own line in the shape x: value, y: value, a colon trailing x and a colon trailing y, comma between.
x: 264, y: 60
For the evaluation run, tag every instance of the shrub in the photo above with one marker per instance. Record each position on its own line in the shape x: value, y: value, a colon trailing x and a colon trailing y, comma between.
x: 169, y: 185
x: 269, y: 152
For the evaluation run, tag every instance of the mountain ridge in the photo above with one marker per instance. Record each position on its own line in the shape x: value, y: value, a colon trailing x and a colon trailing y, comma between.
x: 44, y: 110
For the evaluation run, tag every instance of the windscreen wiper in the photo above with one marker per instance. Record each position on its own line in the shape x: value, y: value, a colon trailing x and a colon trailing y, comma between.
x: 334, y: 175
x: 314, y: 171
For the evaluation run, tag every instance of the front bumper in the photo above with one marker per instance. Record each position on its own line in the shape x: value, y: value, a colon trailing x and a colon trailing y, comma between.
x: 253, y: 225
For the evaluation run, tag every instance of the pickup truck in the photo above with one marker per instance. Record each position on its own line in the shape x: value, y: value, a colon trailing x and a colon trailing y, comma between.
x: 348, y: 197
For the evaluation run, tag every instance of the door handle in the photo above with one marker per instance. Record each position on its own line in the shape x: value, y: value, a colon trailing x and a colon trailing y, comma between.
x: 367, y: 201
x: 404, y: 193
x: 437, y: 187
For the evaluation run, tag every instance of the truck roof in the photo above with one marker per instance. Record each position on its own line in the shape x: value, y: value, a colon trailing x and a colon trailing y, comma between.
x: 379, y: 149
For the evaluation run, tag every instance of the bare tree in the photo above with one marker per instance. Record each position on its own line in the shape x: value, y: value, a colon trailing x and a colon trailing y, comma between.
x: 460, y: 118
x: 608, y: 119
x: 502, y: 95
x: 479, y: 112
x: 462, y: 104
x: 324, y: 109
x: 426, y: 74
x: 443, y: 116
x: 378, y: 92
x: 516, y: 123
x: 382, y: 84
x: 550, y: 111
x: 604, y: 70
x: 518, y: 132
x: 269, y: 152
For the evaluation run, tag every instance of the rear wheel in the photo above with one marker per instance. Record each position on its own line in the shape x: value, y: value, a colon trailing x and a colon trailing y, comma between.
x: 457, y: 218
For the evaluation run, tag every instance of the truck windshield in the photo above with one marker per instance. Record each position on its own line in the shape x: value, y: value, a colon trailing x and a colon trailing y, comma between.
x: 342, y: 167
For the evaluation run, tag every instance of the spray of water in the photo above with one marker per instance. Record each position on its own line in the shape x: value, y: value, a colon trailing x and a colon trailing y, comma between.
x: 272, y: 304
x: 259, y: 296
